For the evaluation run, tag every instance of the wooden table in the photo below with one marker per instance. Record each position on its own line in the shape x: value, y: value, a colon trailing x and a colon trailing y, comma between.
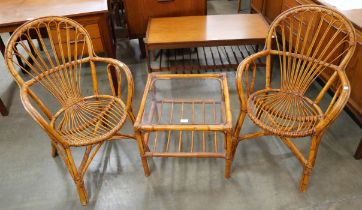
x: 92, y: 14
x: 204, y: 31
x: 173, y: 123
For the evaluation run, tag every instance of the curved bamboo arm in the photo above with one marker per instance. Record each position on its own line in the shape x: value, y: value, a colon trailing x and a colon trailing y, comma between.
x: 118, y: 65
x: 243, y: 69
x: 337, y: 103
x: 44, y: 124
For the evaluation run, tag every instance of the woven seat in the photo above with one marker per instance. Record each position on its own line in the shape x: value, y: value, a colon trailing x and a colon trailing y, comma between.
x: 308, y: 41
x: 97, y: 117
x: 289, y: 114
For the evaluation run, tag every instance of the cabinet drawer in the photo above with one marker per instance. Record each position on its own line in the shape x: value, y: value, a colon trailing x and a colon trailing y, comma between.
x: 162, y: 8
x: 92, y: 29
x: 97, y: 46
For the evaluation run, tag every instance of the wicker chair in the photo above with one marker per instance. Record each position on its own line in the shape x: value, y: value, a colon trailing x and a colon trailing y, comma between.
x: 312, y: 41
x: 72, y: 114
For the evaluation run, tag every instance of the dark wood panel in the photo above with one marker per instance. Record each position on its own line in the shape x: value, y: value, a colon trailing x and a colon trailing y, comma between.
x: 272, y: 9
x: 354, y: 74
x: 257, y: 5
x: 138, y: 12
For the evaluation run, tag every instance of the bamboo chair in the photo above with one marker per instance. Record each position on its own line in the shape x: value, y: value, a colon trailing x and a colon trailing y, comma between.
x: 52, y: 92
x: 312, y: 41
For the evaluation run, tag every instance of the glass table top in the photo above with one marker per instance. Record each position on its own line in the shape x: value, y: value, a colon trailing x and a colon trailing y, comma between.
x: 178, y: 100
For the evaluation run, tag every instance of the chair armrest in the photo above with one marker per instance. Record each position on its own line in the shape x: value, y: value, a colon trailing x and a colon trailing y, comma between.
x: 243, y: 71
x: 25, y: 92
x: 337, y: 103
x: 117, y: 69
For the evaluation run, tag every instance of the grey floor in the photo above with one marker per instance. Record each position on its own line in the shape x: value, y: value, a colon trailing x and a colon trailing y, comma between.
x: 265, y: 174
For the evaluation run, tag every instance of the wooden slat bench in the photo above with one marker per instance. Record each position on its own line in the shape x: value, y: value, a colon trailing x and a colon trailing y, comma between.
x: 195, y: 33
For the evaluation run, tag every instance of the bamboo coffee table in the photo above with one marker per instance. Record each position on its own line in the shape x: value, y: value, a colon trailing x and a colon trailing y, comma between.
x: 185, y: 115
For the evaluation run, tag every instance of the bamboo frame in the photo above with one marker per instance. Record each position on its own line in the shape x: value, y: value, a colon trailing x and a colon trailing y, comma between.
x: 64, y: 49
x: 149, y: 132
x: 309, y: 38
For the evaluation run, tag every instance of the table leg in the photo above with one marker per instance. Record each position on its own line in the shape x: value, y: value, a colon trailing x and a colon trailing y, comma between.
x: 20, y: 61
x: 116, y: 7
x: 239, y: 6
x: 148, y: 59
x: 228, y: 158
x: 142, y: 47
x: 108, y: 40
x: 358, y: 154
x: 2, y: 47
x: 142, y: 150
x: 3, y: 109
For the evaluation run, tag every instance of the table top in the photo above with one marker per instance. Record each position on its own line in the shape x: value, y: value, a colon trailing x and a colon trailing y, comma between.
x: 16, y: 12
x: 210, y: 28
x: 185, y: 102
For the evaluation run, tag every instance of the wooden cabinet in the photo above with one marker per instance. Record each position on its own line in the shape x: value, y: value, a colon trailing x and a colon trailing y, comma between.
x: 270, y: 9
x: 138, y: 12
x: 287, y: 4
x: 99, y: 30
x: 354, y: 74
x: 61, y: 46
x: 257, y: 6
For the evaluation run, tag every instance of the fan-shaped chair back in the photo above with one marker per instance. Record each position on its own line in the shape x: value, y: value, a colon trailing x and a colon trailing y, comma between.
x: 52, y: 51
x: 312, y: 40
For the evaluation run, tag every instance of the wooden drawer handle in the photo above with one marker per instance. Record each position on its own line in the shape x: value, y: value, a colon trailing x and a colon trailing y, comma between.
x: 164, y: 1
x: 79, y: 41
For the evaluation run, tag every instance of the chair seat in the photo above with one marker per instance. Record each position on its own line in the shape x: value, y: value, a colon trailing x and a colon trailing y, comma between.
x: 90, y: 120
x: 284, y: 113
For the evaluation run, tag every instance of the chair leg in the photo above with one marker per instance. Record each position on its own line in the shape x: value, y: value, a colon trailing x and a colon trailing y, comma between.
x: 307, y: 170
x: 238, y: 127
x: 77, y: 177
x: 142, y: 149
x: 3, y: 110
x: 228, y: 161
x: 53, y: 150
x: 358, y: 154
x: 78, y: 173
x: 239, y: 6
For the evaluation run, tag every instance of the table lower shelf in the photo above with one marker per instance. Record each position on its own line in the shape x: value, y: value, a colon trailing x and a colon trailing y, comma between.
x: 186, y: 154
x: 200, y: 144
x: 198, y: 59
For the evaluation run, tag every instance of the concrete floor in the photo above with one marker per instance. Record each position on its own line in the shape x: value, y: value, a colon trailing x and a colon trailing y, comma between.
x: 265, y: 175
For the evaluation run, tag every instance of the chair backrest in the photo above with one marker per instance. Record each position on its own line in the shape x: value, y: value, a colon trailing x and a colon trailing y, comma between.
x: 312, y: 40
x: 51, y: 50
